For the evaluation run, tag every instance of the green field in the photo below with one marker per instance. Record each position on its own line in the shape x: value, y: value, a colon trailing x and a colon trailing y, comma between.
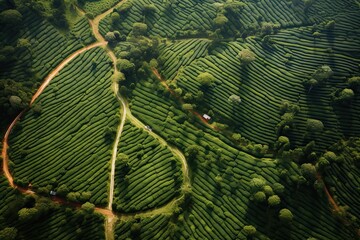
x: 148, y: 175
x: 193, y: 120
x: 68, y: 143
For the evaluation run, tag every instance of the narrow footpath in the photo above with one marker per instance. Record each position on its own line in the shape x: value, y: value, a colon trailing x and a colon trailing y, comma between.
x: 111, y: 217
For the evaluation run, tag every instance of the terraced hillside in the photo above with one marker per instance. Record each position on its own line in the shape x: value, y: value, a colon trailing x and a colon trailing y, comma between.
x: 225, y: 182
x: 35, y: 50
x: 277, y: 75
x: 83, y: 225
x: 229, y: 115
x: 69, y: 141
x: 147, y: 173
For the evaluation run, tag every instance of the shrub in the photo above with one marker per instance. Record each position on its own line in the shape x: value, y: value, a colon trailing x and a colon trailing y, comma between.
x: 205, y: 79
x: 139, y: 29
x: 308, y: 171
x: 234, y: 99
x: 246, y: 56
x: 28, y: 214
x: 322, y: 73
x: 314, y: 125
x: 8, y: 233
x: 259, y: 197
x: 285, y: 215
x: 257, y: 184
x: 274, y: 200
x: 268, y: 190
x: 278, y: 188
x: 11, y: 17
x: 125, y: 65
x: 346, y: 95
x: 249, y: 230
x: 220, y: 20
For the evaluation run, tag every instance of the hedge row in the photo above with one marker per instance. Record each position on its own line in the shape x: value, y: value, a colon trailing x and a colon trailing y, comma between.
x: 71, y: 139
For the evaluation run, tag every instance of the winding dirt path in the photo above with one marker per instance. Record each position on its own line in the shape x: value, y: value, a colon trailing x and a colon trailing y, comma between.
x: 111, y: 217
x: 54, y: 72
x: 198, y: 115
x: 114, y: 151
x: 175, y: 151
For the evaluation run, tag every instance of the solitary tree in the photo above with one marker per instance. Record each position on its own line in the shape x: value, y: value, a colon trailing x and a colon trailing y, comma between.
x: 88, y: 207
x: 233, y: 7
x: 220, y: 20
x: 308, y: 171
x: 274, y: 200
x: 285, y: 215
x: 11, y: 17
x: 149, y: 9
x: 205, y: 79
x: 63, y: 190
x: 259, y: 197
x: 267, y: 27
x: 110, y: 37
x: 115, y: 17
x: 314, y: 125
x: 139, y: 29
x: 322, y: 73
x: 249, y: 230
x: 268, y: 190
x: 354, y: 81
x: 246, y: 56
x: 125, y: 65
x: 345, y: 96
x: 278, y: 188
x: 28, y: 214
x: 234, y: 99
x: 257, y: 184
x: 8, y: 233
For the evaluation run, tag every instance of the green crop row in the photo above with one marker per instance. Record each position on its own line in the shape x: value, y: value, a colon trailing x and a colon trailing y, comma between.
x: 155, y: 227
x: 98, y: 7
x: 221, y: 185
x: 61, y: 222
x: 47, y: 48
x: 147, y: 174
x: 67, y: 141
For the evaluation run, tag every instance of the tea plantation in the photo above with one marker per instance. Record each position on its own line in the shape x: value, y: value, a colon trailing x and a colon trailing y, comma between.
x: 68, y: 143
x: 177, y: 119
x: 147, y: 173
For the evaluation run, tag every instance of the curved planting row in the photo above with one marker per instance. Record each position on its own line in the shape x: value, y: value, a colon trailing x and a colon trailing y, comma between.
x: 192, y: 18
x: 61, y: 222
x: 341, y: 178
x: 82, y: 32
x: 65, y: 140
x: 166, y: 20
x: 224, y: 182
x: 147, y: 173
x: 277, y: 74
x: 155, y: 227
x: 45, y: 49
x: 180, y: 54
x: 97, y: 7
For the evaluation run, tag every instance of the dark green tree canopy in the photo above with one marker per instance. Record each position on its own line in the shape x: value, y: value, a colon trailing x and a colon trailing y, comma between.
x: 205, y: 79
x: 11, y: 17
